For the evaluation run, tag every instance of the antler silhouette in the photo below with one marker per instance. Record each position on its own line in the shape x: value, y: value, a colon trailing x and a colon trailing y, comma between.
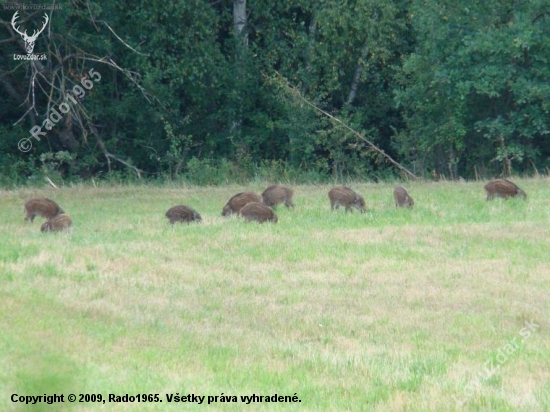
x: 29, y: 40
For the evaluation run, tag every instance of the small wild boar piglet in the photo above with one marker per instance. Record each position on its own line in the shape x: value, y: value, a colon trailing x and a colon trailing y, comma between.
x: 258, y: 212
x: 182, y: 214
x: 237, y: 202
x: 41, y: 206
x: 503, y: 188
x: 58, y: 223
x: 402, y: 197
x: 344, y: 196
x: 276, y: 194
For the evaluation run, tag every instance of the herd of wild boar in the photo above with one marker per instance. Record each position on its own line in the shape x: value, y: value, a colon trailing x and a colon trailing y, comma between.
x: 57, y: 220
x: 253, y: 207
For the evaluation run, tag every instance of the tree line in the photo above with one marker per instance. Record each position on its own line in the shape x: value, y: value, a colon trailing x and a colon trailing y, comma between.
x: 217, y: 90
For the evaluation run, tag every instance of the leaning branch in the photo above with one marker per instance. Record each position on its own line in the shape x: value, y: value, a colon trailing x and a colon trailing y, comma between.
x: 118, y: 159
x: 296, y: 93
x: 109, y: 156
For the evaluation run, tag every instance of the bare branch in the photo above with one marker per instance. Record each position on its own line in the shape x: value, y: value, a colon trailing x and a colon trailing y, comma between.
x: 24, y: 115
x: 10, y: 89
x: 50, y: 182
x: 109, y: 156
x: 91, y: 16
x: 51, y: 80
x: 128, y: 74
x: 122, y: 41
x: 544, y: 13
x: 10, y: 40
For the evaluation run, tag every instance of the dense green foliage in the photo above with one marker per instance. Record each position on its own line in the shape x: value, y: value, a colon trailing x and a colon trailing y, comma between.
x: 454, y: 89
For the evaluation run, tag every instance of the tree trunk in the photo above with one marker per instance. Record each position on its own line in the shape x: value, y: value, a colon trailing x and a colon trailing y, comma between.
x: 239, y: 20
x: 453, y: 164
x: 357, y: 76
x: 241, y: 44
x: 310, y: 48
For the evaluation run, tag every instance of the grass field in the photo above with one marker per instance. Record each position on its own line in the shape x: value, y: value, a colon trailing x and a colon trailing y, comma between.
x: 392, y: 310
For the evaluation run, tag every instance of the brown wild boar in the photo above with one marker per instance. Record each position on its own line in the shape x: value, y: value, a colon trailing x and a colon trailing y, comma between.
x: 276, y: 194
x: 182, y: 214
x: 41, y: 206
x: 503, y: 188
x: 402, y: 198
x: 258, y: 212
x: 344, y: 196
x: 237, y: 202
x: 58, y: 223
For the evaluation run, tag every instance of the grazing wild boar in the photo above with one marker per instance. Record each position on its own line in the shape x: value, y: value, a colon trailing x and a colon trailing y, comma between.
x: 237, y: 202
x: 58, y: 223
x: 276, y: 194
x: 402, y: 198
x: 41, y: 206
x: 258, y: 212
x: 182, y: 214
x: 344, y: 196
x: 503, y: 188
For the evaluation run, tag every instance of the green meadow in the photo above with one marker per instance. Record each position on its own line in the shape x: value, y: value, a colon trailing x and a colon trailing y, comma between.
x: 391, y: 310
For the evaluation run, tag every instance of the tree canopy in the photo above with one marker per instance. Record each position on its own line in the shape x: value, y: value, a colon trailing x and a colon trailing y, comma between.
x: 214, y: 91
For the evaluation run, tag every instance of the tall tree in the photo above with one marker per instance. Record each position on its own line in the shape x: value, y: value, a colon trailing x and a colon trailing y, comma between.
x: 475, y: 91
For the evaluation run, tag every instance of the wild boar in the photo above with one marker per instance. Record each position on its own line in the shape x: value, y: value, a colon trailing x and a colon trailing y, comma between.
x: 258, y: 212
x: 276, y: 194
x: 237, y: 202
x: 42, y: 206
x: 402, y: 197
x: 58, y: 223
x: 344, y: 196
x: 503, y: 188
x: 182, y: 214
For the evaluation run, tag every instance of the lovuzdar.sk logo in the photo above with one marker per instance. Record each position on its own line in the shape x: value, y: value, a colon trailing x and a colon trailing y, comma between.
x: 29, y: 40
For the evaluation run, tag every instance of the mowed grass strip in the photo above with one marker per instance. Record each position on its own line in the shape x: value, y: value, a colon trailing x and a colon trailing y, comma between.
x: 394, y: 309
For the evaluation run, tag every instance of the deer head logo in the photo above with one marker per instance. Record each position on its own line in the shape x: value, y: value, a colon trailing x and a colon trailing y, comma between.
x: 29, y: 40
